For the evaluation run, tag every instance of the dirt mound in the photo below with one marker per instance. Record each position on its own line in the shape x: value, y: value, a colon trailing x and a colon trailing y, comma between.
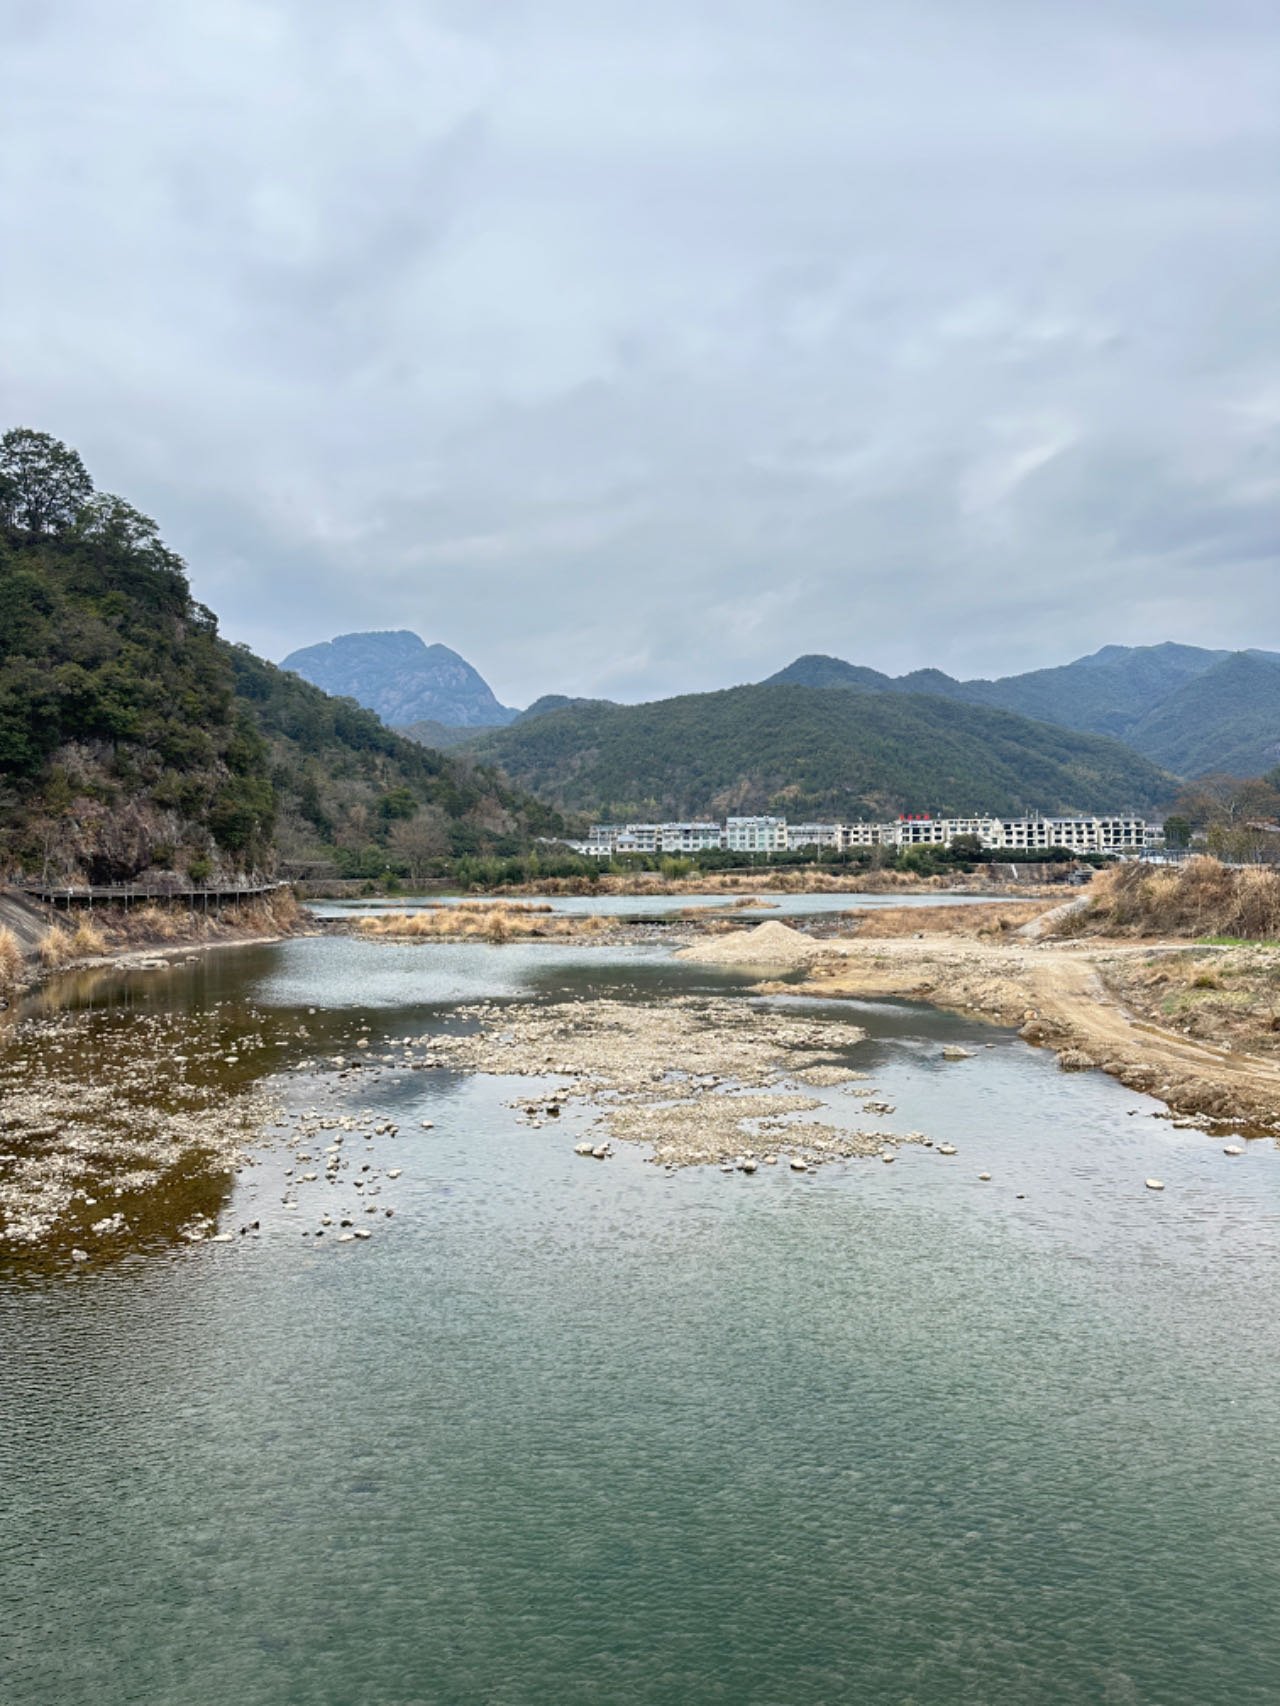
x: 771, y: 944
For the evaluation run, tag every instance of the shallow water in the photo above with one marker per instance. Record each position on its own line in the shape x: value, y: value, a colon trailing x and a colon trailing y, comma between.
x: 572, y: 1432
x: 661, y: 905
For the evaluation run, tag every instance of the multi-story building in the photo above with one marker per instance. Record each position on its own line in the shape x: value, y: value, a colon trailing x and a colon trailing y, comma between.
x: 695, y: 837
x: 865, y: 835
x: 756, y: 834
x: 1119, y: 833
x: 813, y: 835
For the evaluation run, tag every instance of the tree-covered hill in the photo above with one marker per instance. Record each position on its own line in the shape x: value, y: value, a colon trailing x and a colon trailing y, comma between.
x: 133, y: 738
x: 1186, y: 707
x: 1225, y: 719
x: 814, y: 753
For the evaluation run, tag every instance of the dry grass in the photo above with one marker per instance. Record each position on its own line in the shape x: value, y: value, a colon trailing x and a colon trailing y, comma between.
x: 994, y: 922
x: 1200, y: 898
x: 472, y: 921
x: 12, y: 962
x: 87, y: 940
x: 61, y: 945
x: 55, y: 949
x: 117, y: 928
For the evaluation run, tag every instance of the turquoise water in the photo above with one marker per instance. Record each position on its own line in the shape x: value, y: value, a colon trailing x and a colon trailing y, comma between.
x: 566, y: 1432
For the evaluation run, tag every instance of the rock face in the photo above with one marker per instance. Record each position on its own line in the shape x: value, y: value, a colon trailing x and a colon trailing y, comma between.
x: 402, y: 679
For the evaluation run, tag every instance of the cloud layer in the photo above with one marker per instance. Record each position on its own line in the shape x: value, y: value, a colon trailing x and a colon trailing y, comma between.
x: 634, y: 350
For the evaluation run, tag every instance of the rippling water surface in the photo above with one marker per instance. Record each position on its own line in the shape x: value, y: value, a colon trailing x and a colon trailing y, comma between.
x: 567, y: 1432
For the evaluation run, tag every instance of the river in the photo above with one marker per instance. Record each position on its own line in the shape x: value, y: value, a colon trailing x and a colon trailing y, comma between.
x: 564, y: 1431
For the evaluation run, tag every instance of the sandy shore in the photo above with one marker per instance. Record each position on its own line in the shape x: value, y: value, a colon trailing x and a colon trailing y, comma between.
x: 1074, y: 997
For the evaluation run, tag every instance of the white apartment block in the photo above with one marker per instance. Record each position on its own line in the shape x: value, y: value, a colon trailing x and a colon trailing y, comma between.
x: 813, y: 835
x: 1118, y: 833
x: 756, y: 834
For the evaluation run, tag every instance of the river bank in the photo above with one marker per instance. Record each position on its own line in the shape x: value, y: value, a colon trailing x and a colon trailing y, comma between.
x: 1131, y: 1009
x: 141, y: 938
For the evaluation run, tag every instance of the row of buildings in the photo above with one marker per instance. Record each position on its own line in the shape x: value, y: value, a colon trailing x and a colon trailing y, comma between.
x: 1116, y: 833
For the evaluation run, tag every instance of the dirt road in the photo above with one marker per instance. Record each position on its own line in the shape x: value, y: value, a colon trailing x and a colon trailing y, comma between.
x: 1060, y: 996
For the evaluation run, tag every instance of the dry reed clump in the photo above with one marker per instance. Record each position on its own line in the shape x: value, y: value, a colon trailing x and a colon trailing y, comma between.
x: 1200, y: 898
x: 87, y: 940
x: 995, y: 922
x: 12, y: 962
x: 55, y: 949
x: 62, y: 945
x: 481, y: 923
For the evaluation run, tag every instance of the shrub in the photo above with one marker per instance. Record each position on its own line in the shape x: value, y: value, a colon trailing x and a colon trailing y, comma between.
x: 11, y: 958
x: 1199, y: 899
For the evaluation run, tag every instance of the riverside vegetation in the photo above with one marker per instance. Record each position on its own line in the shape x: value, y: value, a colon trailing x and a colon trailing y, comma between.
x: 134, y: 740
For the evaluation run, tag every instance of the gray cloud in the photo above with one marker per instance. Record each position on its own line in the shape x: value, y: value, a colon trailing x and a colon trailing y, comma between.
x: 635, y: 350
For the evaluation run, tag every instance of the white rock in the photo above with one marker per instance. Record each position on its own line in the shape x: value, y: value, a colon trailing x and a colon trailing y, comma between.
x: 799, y: 1166
x: 1233, y: 1149
x: 1155, y: 1184
x: 888, y: 1155
x: 984, y: 1175
x: 79, y: 1255
x: 947, y: 1149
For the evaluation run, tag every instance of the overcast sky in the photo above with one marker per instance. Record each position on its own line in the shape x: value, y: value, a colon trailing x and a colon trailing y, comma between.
x: 634, y: 349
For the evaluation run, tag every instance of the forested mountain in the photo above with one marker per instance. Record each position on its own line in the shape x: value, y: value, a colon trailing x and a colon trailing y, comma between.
x: 133, y: 738
x: 1225, y: 719
x: 1174, y: 704
x: 401, y: 678
x: 810, y: 752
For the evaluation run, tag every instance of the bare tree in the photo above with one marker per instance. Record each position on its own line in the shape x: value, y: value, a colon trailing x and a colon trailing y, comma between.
x: 421, y: 840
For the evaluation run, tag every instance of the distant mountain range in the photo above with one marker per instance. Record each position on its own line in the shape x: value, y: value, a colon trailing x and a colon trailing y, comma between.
x: 403, y: 679
x: 824, y: 736
x: 1186, y: 708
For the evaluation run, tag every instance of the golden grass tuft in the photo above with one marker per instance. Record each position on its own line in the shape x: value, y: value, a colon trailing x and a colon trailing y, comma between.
x: 12, y: 962
x: 472, y: 921
x: 87, y: 940
x: 989, y: 922
x: 1200, y: 898
x: 56, y: 948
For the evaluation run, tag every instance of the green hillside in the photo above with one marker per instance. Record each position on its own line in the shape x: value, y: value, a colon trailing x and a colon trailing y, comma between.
x: 132, y: 738
x: 812, y: 753
x: 1184, y: 707
x: 1226, y: 719
x: 1106, y: 693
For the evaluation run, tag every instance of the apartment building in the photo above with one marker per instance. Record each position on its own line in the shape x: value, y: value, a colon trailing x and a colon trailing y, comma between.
x: 813, y: 835
x: 1117, y: 833
x: 756, y: 834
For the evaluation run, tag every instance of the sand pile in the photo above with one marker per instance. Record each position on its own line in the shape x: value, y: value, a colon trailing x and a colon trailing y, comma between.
x: 772, y: 944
